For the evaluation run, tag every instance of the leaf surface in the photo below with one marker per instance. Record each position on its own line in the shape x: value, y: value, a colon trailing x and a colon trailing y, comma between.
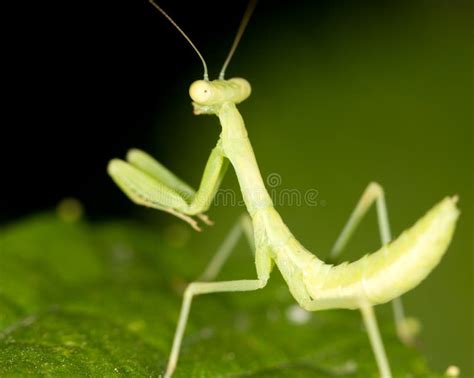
x: 79, y: 299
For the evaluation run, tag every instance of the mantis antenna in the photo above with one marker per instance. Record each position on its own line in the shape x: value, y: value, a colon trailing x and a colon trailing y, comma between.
x: 243, y: 24
x: 206, y: 75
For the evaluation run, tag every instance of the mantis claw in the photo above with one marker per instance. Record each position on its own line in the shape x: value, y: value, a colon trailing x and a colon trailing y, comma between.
x: 192, y: 222
x: 205, y: 219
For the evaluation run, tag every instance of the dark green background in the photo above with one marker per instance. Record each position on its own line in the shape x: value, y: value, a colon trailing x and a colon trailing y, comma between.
x: 343, y: 98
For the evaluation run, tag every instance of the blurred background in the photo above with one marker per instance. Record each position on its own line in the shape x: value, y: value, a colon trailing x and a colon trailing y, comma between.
x: 344, y: 93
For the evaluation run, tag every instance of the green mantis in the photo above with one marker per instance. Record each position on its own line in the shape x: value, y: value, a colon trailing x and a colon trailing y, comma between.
x: 380, y: 277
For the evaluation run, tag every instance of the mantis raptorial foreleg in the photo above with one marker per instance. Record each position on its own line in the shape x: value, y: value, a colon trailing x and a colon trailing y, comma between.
x: 146, y: 182
x: 147, y: 164
x: 197, y: 288
x: 407, y: 328
x: 243, y: 225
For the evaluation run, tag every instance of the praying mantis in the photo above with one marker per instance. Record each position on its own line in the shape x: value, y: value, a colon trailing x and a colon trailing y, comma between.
x: 383, y: 276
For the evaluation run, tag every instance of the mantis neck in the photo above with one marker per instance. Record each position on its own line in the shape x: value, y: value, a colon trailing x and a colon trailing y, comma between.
x: 239, y: 151
x: 268, y: 224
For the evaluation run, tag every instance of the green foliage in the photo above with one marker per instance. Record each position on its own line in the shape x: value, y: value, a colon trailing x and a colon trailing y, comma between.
x: 103, y: 300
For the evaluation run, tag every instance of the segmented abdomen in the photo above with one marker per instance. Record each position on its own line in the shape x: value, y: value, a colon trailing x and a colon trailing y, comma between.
x: 394, y: 269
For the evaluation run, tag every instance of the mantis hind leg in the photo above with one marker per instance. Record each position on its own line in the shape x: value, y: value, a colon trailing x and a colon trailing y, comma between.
x: 376, y: 342
x: 198, y: 288
x: 407, y: 328
x: 370, y: 322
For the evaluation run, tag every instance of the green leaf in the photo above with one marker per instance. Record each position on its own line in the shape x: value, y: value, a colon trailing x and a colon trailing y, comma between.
x: 102, y: 300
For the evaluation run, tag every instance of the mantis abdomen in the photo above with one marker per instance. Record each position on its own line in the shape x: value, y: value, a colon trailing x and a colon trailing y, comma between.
x: 391, y: 271
x: 375, y: 278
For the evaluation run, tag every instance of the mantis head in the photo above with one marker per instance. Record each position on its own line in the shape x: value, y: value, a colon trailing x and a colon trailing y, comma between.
x: 208, y: 96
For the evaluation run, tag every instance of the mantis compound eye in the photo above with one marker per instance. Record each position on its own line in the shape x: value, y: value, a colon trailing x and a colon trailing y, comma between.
x: 209, y: 93
x: 201, y: 91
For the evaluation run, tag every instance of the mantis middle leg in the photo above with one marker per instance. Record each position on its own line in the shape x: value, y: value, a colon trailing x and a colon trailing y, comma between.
x: 197, y: 288
x: 407, y: 328
x: 243, y: 225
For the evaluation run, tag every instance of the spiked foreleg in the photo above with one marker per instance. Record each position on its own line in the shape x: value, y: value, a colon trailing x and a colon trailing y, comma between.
x: 146, y: 182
